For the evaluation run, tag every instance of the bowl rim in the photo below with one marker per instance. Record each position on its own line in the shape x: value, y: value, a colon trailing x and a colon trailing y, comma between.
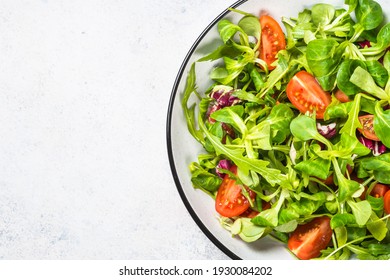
x: 179, y: 187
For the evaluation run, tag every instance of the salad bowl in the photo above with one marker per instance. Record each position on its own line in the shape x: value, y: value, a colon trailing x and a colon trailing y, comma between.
x: 184, y: 149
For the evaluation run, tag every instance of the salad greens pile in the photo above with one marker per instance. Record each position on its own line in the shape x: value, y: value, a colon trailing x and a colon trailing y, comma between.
x: 286, y: 156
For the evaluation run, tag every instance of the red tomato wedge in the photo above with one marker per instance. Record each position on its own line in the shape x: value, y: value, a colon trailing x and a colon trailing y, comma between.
x: 272, y: 40
x: 379, y: 190
x: 341, y: 96
x: 306, y: 94
x: 367, y: 122
x: 386, y: 202
x: 307, y: 241
x: 230, y: 201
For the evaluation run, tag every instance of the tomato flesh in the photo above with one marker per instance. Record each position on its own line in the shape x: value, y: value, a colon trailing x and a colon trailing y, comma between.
x: 367, y: 122
x: 341, y: 96
x: 272, y: 40
x: 307, y: 241
x: 379, y: 190
x: 386, y: 202
x: 306, y: 94
x: 230, y: 201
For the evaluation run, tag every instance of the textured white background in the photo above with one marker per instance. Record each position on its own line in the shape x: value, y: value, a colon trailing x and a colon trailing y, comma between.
x: 84, y: 91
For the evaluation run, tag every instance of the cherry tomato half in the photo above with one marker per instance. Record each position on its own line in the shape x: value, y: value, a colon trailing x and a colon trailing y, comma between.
x: 379, y: 190
x: 367, y: 122
x: 230, y: 201
x: 307, y: 241
x: 306, y: 94
x: 386, y: 202
x: 272, y: 40
x: 341, y: 96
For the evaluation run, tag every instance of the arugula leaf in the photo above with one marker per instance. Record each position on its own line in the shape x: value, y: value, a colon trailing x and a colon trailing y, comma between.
x: 277, y: 74
x: 269, y: 217
x: 353, y: 118
x: 279, y: 120
x: 379, y: 249
x: 356, y: 233
x: 256, y: 77
x: 245, y: 164
x: 261, y: 135
x: 231, y: 115
x: 247, y: 96
x: 189, y: 112
x: 347, y: 188
x: 347, y: 146
x: 232, y: 69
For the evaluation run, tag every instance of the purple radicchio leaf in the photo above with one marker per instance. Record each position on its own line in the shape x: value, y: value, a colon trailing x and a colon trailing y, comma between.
x: 376, y: 147
x: 328, y: 130
x: 366, y: 142
x: 223, y: 95
x: 364, y: 44
x: 223, y: 164
x: 379, y: 148
x: 229, y: 130
x: 211, y: 109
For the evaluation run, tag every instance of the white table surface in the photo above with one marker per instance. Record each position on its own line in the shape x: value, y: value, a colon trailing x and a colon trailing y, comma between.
x: 84, y: 92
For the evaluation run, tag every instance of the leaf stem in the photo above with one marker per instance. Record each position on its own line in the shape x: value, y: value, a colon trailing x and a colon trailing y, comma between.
x: 347, y: 244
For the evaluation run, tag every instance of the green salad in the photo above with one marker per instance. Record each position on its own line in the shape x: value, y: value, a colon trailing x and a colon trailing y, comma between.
x: 296, y: 130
